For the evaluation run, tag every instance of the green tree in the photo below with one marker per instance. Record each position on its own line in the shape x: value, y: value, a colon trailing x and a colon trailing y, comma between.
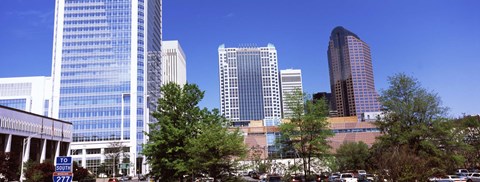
x: 307, y: 130
x: 469, y: 126
x: 216, y: 149
x: 186, y: 139
x: 414, y: 127
x: 352, y: 155
x: 39, y: 172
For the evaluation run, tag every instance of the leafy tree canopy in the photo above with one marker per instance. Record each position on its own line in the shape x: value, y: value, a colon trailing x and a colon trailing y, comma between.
x: 415, y: 126
x: 186, y: 139
x: 307, y: 131
x: 352, y: 156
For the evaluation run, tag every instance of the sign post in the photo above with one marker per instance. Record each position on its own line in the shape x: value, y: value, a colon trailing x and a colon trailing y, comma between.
x: 63, y: 169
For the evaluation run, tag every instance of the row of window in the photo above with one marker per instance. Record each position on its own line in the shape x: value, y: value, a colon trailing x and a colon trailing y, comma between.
x: 89, y: 35
x: 98, y: 89
x: 97, y: 28
x: 87, y: 114
x: 14, y: 103
x: 100, y: 136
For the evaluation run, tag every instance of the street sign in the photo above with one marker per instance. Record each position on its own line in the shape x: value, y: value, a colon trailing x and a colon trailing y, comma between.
x: 124, y: 165
x: 62, y: 176
x: 64, y: 164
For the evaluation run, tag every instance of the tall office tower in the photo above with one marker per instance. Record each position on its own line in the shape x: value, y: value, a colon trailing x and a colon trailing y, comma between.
x: 290, y: 80
x: 106, y: 74
x: 30, y: 94
x: 351, y: 74
x: 174, y: 66
x: 249, y: 86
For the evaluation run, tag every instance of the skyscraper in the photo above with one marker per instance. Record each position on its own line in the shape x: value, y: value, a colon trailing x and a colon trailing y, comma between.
x: 290, y: 80
x: 249, y: 86
x: 105, y: 71
x: 174, y: 66
x: 351, y: 74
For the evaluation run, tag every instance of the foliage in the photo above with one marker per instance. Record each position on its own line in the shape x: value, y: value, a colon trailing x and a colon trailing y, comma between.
x: 8, y: 165
x: 307, y: 130
x: 42, y: 172
x: 469, y: 126
x: 255, y: 155
x: 80, y: 173
x: 216, y: 148
x: 331, y: 163
x: 352, y: 156
x: 414, y: 128
x: 184, y: 138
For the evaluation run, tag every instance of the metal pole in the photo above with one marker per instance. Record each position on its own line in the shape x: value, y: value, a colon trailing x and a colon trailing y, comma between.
x: 114, y: 161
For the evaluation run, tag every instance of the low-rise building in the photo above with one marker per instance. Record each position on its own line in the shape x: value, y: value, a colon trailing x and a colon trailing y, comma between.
x: 260, y: 135
x: 28, y: 136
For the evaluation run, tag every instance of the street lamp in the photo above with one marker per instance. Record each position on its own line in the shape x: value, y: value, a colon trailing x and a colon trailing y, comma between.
x: 22, y: 175
x: 114, y: 161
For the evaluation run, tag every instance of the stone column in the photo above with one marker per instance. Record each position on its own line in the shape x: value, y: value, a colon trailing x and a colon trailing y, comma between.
x: 26, y: 154
x: 84, y: 158
x: 8, y: 143
x: 102, y: 157
x: 57, y: 151
x: 44, y: 150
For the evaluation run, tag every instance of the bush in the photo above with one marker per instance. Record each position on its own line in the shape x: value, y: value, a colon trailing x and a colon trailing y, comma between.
x: 42, y: 172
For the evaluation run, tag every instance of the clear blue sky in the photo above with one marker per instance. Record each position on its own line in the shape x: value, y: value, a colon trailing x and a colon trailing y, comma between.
x: 436, y: 41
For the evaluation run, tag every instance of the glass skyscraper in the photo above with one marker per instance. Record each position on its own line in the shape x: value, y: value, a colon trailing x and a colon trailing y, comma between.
x: 351, y: 74
x: 249, y: 85
x: 106, y: 74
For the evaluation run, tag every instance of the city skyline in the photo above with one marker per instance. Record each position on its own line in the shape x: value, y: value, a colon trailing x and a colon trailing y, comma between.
x: 435, y: 46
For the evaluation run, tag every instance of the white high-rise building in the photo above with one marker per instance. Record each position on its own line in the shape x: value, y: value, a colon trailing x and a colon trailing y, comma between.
x: 174, y: 65
x: 30, y: 94
x: 249, y: 86
x: 290, y: 80
x: 106, y: 73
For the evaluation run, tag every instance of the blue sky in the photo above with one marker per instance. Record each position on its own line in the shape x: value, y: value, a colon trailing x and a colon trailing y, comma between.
x: 435, y: 41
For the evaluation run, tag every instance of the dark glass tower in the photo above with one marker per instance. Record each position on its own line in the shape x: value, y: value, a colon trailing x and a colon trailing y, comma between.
x: 351, y: 74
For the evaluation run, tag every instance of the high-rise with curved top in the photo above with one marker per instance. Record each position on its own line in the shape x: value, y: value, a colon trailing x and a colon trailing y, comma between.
x: 351, y: 74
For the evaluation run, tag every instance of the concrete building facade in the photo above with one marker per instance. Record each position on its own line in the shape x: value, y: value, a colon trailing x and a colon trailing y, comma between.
x: 105, y: 72
x: 351, y: 74
x: 290, y: 81
x: 31, y: 94
x: 249, y: 83
x: 174, y: 65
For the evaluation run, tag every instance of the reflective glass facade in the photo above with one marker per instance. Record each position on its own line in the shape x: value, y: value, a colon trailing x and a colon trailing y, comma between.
x: 102, y: 72
x: 14, y: 103
x: 96, y: 55
x: 351, y: 74
x: 249, y: 86
x: 250, y: 96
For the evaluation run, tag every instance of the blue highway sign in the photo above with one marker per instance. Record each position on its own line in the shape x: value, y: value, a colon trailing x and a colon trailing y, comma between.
x: 62, y: 177
x: 64, y: 164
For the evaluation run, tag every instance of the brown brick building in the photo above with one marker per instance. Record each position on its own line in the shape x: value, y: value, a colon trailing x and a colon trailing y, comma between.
x: 346, y: 129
